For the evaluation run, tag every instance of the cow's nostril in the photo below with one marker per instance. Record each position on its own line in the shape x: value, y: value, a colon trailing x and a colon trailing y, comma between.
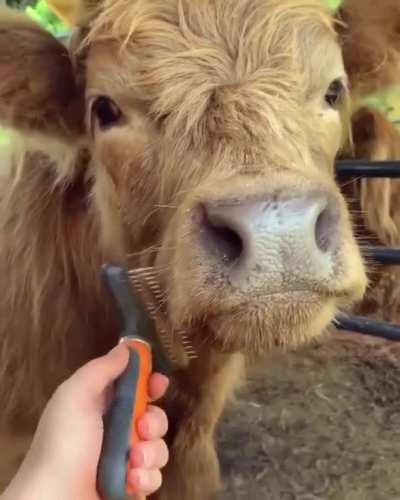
x: 326, y: 228
x: 221, y: 239
x: 279, y: 238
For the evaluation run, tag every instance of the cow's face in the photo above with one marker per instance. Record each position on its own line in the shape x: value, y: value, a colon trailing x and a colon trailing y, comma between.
x: 214, y: 128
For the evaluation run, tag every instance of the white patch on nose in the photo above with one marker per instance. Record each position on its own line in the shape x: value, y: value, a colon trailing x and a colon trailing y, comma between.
x: 282, y: 243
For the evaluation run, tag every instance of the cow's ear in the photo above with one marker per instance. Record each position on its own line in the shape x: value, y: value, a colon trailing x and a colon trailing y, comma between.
x: 38, y: 89
x: 370, y: 37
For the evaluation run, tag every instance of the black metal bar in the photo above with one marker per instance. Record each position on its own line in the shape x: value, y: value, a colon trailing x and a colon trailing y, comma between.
x: 384, y: 255
x: 370, y: 169
x: 366, y: 326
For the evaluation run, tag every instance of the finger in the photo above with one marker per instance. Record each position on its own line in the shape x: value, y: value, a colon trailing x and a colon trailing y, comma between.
x: 144, y: 481
x: 94, y: 377
x: 158, y: 386
x: 153, y: 424
x: 149, y: 455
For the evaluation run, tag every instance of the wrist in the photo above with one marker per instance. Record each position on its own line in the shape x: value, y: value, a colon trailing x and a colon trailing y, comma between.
x: 29, y: 484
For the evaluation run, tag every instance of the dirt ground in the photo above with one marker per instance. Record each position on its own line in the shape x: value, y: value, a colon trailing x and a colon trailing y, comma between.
x: 322, y: 423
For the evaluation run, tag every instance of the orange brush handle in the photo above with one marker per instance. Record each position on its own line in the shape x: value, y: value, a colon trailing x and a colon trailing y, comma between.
x: 120, y: 430
x: 141, y: 400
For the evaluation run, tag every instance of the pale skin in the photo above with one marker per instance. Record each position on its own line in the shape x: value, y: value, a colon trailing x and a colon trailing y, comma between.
x: 63, y: 458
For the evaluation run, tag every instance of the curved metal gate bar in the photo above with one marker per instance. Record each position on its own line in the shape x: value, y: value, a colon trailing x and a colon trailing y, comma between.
x: 366, y: 326
x: 382, y: 255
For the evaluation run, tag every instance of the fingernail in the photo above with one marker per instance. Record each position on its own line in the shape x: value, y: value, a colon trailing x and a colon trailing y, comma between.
x: 166, y: 380
x: 115, y: 348
x: 137, y: 458
x: 134, y: 483
x: 144, y: 428
x: 118, y: 348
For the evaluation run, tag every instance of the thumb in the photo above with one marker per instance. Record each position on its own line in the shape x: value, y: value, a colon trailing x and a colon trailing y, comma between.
x: 94, y: 377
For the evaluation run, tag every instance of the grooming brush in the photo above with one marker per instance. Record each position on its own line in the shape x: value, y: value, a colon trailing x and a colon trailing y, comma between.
x: 147, y: 350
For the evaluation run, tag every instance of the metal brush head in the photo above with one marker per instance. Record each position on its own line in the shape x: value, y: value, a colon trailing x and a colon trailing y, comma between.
x: 176, y: 343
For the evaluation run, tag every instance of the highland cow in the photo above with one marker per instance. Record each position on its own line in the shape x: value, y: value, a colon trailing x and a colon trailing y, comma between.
x: 198, y: 137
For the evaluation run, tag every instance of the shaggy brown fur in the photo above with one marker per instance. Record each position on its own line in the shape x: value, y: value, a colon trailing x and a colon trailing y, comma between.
x: 203, y: 103
x: 376, y: 204
x: 371, y: 44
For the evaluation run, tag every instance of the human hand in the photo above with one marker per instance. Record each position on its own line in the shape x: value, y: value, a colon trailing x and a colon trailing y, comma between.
x: 63, y: 458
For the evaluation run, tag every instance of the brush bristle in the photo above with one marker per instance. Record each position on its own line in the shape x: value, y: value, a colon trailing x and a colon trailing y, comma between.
x: 145, y: 282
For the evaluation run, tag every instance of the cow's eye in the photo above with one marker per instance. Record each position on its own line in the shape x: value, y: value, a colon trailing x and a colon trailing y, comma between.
x: 104, y: 112
x: 335, y: 93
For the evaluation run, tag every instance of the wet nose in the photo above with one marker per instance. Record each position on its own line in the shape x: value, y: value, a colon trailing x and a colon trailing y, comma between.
x: 282, y: 238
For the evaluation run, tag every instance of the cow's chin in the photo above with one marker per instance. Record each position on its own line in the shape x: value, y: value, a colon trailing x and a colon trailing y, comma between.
x: 282, y: 321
